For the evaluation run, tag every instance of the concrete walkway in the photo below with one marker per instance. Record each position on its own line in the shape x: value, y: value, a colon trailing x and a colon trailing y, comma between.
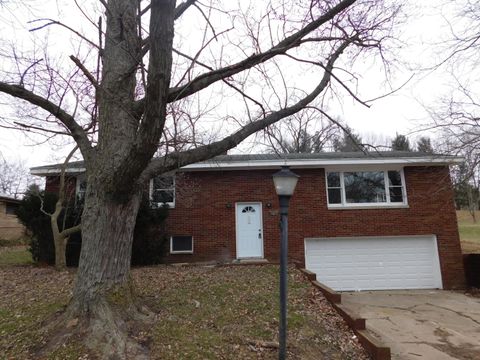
x: 421, y: 324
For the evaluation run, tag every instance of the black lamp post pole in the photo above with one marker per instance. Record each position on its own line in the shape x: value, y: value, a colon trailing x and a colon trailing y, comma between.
x: 282, y: 341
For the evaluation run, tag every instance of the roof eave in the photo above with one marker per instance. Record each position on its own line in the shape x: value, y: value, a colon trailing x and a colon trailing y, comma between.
x: 319, y: 163
x: 55, y: 171
x: 294, y: 163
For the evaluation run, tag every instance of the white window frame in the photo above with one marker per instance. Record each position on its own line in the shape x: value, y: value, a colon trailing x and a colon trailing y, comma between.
x: 78, y: 180
x: 170, y: 204
x: 386, y: 204
x: 181, y: 251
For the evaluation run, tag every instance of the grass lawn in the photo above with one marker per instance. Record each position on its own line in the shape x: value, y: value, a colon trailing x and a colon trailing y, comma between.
x: 203, y: 313
x: 16, y: 255
x: 469, y: 231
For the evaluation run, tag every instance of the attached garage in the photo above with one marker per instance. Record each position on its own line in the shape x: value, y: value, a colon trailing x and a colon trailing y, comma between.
x: 375, y: 263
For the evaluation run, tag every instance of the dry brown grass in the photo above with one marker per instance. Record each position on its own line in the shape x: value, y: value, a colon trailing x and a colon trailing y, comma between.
x: 202, y: 313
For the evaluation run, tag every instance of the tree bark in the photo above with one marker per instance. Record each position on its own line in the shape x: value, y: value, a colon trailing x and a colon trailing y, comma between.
x: 60, y: 243
x: 107, y: 238
x: 60, y: 238
x: 103, y: 303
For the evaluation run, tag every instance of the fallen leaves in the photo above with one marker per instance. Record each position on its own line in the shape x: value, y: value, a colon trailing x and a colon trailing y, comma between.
x: 200, y: 313
x: 238, y: 315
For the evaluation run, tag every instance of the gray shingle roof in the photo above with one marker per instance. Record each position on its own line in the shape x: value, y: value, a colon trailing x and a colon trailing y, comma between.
x: 324, y: 156
x: 252, y: 158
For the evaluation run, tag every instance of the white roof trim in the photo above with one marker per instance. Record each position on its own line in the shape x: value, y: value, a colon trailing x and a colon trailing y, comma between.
x: 320, y: 163
x: 294, y: 163
x: 43, y: 172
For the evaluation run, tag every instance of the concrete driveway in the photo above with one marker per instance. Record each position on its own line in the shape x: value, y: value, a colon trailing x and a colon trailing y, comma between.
x: 421, y: 324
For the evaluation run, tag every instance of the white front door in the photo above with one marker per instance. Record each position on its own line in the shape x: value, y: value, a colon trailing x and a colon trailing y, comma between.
x: 249, y: 230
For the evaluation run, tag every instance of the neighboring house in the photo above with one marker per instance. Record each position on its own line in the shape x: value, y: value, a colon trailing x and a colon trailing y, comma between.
x: 10, y: 227
x: 360, y: 221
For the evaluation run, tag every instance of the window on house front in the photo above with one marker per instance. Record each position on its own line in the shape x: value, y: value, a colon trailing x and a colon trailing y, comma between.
x: 162, y: 190
x: 334, y: 188
x: 353, y: 188
x: 181, y: 244
x: 81, y: 187
x: 11, y: 209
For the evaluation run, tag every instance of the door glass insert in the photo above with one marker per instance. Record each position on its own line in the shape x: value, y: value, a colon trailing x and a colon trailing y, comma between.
x: 248, y: 209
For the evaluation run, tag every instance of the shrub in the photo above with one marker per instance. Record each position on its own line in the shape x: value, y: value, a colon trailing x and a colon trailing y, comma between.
x: 149, y: 236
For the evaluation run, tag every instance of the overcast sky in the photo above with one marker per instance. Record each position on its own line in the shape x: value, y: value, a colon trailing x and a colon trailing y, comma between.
x: 401, y: 112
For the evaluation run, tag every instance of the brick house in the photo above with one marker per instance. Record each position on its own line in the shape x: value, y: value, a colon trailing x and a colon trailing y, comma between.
x: 10, y: 227
x: 383, y: 220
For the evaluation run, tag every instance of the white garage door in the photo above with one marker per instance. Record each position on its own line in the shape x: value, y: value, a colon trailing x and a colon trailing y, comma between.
x: 375, y: 263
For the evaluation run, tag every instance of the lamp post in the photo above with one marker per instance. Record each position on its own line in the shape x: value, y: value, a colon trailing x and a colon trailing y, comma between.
x: 285, y: 182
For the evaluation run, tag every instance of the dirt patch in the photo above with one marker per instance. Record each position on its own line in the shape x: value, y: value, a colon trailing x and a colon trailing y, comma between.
x: 473, y: 292
x: 470, y: 247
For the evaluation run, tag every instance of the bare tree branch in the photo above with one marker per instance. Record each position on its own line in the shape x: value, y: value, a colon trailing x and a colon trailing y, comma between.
x: 176, y: 160
x: 55, y: 22
x: 85, y: 71
x: 290, y: 42
x: 180, y: 9
x: 75, y: 129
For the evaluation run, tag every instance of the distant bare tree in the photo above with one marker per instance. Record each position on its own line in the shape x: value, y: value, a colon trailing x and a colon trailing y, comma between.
x: 456, y: 115
x: 376, y: 141
x: 348, y: 141
x: 304, y: 132
x: 14, y: 177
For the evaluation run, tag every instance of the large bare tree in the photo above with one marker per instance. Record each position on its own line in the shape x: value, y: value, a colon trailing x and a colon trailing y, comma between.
x: 120, y: 99
x: 455, y: 116
x: 14, y: 177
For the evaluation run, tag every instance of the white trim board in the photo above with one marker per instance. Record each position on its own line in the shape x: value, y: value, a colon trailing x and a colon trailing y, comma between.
x: 295, y: 163
x: 323, y: 163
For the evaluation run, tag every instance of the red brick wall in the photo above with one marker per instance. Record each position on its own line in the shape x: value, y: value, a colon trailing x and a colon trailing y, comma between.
x: 205, y: 209
x: 52, y: 184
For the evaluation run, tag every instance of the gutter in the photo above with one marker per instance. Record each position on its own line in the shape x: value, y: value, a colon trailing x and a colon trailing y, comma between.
x: 293, y: 163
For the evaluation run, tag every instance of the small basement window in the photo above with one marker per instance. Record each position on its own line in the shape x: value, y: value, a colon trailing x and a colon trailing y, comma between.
x: 181, y: 244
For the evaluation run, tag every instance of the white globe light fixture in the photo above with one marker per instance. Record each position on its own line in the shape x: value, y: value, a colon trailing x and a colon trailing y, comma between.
x: 285, y: 181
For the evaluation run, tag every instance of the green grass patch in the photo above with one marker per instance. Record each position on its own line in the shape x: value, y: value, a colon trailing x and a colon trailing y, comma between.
x: 469, y: 231
x: 18, y: 255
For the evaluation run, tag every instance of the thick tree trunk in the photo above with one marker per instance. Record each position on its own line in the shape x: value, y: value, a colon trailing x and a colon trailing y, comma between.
x: 103, y: 301
x: 107, y: 236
